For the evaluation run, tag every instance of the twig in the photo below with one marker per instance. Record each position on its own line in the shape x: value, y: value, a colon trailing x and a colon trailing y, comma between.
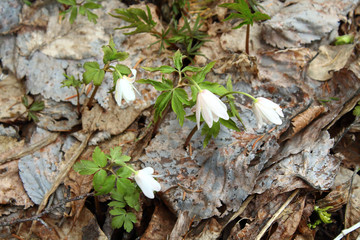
x: 241, y: 209
x: 348, y: 205
x: 34, y: 147
x: 276, y: 215
x: 37, y: 217
x: 347, y: 231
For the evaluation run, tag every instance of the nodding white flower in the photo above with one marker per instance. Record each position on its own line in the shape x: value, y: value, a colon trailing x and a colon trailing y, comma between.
x: 145, y: 180
x: 125, y: 89
x: 211, y: 108
x: 267, y: 111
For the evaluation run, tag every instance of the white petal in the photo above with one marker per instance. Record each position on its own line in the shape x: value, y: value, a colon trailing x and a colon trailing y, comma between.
x: 118, y: 93
x: 133, y: 71
x: 198, y: 110
x: 127, y: 90
x: 271, y: 116
x: 216, y: 106
x: 147, y: 170
x: 205, y: 110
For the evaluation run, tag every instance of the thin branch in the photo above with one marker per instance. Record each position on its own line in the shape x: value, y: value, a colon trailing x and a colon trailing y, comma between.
x: 37, y: 217
x: 276, y: 215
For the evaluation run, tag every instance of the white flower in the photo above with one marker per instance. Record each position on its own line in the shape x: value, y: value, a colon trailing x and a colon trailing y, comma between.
x: 145, y: 180
x: 125, y: 89
x: 211, y: 108
x: 267, y: 111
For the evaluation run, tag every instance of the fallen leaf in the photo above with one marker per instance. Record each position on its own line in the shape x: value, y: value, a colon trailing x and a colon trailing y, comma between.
x: 328, y: 60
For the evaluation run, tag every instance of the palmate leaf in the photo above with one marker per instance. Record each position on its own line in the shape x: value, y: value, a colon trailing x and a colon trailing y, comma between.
x: 244, y: 12
x: 111, y: 54
x: 93, y: 73
x: 138, y: 19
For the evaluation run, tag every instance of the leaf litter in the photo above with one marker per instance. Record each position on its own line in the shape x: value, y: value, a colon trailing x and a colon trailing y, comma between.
x: 204, y: 187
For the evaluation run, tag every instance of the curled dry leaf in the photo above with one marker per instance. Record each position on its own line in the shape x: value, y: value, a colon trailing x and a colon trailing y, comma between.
x: 302, y: 120
x: 328, y: 60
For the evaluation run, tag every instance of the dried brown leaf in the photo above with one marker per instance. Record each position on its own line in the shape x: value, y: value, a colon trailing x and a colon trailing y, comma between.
x: 329, y: 59
x: 302, y: 120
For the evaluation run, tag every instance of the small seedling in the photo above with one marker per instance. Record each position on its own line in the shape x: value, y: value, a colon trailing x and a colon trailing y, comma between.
x: 324, y: 216
x: 33, y: 108
x: 244, y: 12
x: 83, y: 8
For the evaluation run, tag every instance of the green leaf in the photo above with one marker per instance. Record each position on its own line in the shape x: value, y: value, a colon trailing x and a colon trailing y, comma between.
x: 71, y: 81
x: 191, y: 69
x: 161, y: 103
x: 117, y: 204
x: 200, y: 76
x: 124, y: 186
x: 179, y: 97
x: 122, y: 69
x: 356, y: 111
x: 121, y: 160
x: 93, y: 73
x: 258, y: 16
x: 82, y: 10
x: 107, y: 186
x: 92, y: 5
x: 85, y: 167
x: 37, y: 106
x: 117, y: 211
x: 229, y: 124
x: 111, y: 54
x: 165, y: 85
x: 33, y: 117
x: 163, y: 69
x: 92, y: 17
x: 116, y: 195
x: 344, y: 39
x: 129, y: 220
x: 133, y: 200
x: 115, y: 152
x: 124, y: 172
x: 213, y: 87
x: 178, y: 57
x: 73, y: 14
x: 25, y: 101
x: 210, y: 132
x: 99, y: 179
x: 138, y: 19
x: 99, y: 157
x: 67, y: 2
x: 118, y: 221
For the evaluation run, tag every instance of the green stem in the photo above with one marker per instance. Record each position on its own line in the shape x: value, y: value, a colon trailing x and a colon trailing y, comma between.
x: 196, y: 85
x: 134, y: 171
x: 243, y: 93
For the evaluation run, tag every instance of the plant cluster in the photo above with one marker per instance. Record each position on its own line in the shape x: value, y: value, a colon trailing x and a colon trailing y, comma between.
x: 324, y: 216
x: 183, y: 89
x: 249, y: 16
x: 186, y: 37
x: 95, y: 74
x: 83, y: 8
x: 32, y: 109
x: 118, y: 183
